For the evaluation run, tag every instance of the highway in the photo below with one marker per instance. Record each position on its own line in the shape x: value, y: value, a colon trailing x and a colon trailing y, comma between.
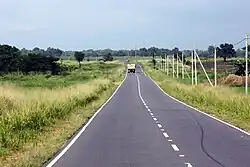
x: 143, y: 127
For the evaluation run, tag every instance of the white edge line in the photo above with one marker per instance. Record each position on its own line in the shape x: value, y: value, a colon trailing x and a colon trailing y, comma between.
x: 175, y: 147
x: 56, y: 158
x: 217, y: 119
x: 155, y: 119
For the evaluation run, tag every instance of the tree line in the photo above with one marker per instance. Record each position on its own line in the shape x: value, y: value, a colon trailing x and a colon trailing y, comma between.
x: 37, y: 60
x: 13, y: 60
x: 40, y: 60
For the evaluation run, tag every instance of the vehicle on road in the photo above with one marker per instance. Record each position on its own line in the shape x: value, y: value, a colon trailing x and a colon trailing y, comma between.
x: 131, y: 67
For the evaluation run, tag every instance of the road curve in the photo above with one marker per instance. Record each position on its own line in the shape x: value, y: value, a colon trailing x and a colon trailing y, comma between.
x: 143, y: 127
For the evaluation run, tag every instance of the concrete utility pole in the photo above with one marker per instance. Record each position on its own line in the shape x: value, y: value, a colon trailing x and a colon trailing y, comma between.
x: 215, y: 66
x: 182, y: 62
x: 195, y: 70
x: 246, y: 87
x: 192, y: 61
x: 173, y: 66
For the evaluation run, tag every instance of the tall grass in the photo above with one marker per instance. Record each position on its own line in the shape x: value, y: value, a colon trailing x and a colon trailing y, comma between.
x: 27, y: 113
x: 221, y: 101
x: 24, y: 113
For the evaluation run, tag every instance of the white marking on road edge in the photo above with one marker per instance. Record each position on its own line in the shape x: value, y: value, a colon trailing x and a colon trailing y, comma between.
x: 165, y: 134
x: 51, y: 163
x: 149, y: 110
x: 146, y: 106
x: 181, y: 155
x: 175, y: 147
x: 162, y: 129
x: 188, y: 165
x: 217, y: 119
x: 159, y: 125
x: 151, y: 114
x: 142, y: 70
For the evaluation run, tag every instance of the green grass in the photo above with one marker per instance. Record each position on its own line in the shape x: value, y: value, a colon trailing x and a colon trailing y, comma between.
x: 87, y: 72
x: 27, y: 115
x: 221, y: 101
x: 201, y: 77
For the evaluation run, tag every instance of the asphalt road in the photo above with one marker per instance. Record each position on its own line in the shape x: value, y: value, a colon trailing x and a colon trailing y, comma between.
x: 143, y: 127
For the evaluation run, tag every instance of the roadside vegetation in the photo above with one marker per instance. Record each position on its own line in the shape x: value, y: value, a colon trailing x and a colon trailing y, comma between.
x: 222, y: 101
x: 39, y: 111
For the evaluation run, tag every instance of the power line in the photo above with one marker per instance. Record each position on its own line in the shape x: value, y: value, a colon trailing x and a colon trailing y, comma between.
x: 240, y: 41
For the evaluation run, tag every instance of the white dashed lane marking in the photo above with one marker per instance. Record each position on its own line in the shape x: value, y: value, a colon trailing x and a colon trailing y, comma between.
x: 188, y: 165
x: 159, y: 125
x: 165, y: 135
x: 175, y: 147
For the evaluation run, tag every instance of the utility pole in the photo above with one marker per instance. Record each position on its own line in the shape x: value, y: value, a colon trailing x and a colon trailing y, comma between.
x: 215, y: 66
x: 182, y: 62
x: 192, y: 61
x: 173, y: 66
x: 246, y: 87
x: 167, y: 66
x: 195, y: 69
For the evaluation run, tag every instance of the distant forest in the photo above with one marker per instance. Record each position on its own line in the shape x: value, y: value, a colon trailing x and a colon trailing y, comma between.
x: 13, y: 59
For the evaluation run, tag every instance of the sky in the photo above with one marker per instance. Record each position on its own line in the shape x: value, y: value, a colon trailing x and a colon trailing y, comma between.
x: 122, y: 24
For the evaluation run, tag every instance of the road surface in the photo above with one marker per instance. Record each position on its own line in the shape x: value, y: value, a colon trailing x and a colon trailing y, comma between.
x: 142, y: 127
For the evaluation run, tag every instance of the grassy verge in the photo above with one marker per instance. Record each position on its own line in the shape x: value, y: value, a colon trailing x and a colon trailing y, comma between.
x: 87, y: 72
x: 35, y: 123
x: 221, y: 102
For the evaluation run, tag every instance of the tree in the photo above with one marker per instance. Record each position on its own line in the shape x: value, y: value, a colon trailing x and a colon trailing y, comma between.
x: 79, y: 56
x: 142, y: 51
x: 108, y: 57
x: 176, y: 53
x: 153, y: 50
x: 226, y: 51
x: 54, y: 52
x: 8, y: 58
x: 210, y: 50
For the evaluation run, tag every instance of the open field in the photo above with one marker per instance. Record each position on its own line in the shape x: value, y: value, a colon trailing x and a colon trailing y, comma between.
x: 34, y: 123
x: 222, y: 101
x: 225, y: 72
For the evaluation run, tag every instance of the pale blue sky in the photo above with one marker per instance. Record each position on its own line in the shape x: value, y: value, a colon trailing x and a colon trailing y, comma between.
x: 118, y: 24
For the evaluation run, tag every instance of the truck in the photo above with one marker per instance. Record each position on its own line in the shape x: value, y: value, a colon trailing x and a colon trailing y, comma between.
x: 131, y: 67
